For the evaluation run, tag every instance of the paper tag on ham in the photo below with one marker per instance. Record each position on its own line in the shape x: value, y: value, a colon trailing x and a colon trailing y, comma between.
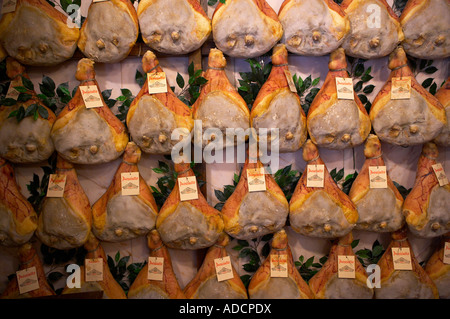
x: 188, y: 188
x: 377, y: 177
x: 315, y: 175
x: 8, y: 6
x: 344, y: 88
x: 401, y: 88
x: 91, y: 96
x: 155, y: 268
x: 440, y: 174
x: 278, y: 266
x: 256, y: 179
x: 27, y: 280
x: 290, y: 81
x: 156, y: 82
x: 94, y: 269
x: 224, y: 270
x: 56, y: 185
x: 401, y: 257
x: 346, y: 266
x: 446, y: 259
x: 130, y: 183
x: 12, y: 93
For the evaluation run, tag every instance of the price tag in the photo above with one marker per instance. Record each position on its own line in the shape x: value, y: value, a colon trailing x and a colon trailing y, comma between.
x: 256, y: 179
x: 290, y: 81
x: 188, y: 188
x: 401, y: 88
x: 91, y: 96
x: 446, y: 259
x: 94, y: 269
x: 156, y: 82
x: 155, y: 268
x: 130, y: 183
x: 344, y: 88
x: 56, y: 185
x: 27, y: 280
x: 377, y: 177
x: 9, y: 6
x: 440, y: 174
x: 224, y: 270
x: 278, y: 266
x: 401, y: 257
x: 315, y: 175
x: 346, y: 266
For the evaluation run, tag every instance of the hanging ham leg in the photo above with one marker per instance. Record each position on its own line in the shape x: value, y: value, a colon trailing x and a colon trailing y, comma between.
x: 437, y: 270
x: 443, y: 95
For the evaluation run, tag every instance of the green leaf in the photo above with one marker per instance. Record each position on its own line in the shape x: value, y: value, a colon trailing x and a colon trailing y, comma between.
x: 139, y: 78
x: 220, y: 195
x: 47, y: 86
x: 20, y: 89
x: 366, y: 78
x: 358, y: 86
x: 8, y: 102
x: 27, y: 83
x: 363, y: 98
x: 433, y: 89
x: 180, y: 81
x: 23, y: 97
x: 65, y: 4
x: 117, y: 257
x: 431, y: 70
x: 427, y: 82
x: 359, y: 69
x: 126, y: 92
x: 355, y: 243
x: 368, y: 89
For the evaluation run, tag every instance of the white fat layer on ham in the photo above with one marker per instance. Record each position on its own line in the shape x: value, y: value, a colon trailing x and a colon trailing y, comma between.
x: 403, y: 284
x: 395, y: 120
x: 426, y: 32
x: 283, y: 113
x: 9, y: 236
x: 150, y: 121
x: 127, y: 217
x: 27, y: 141
x: 86, y: 129
x: 277, y: 288
x: 365, y: 30
x: 329, y: 128
x: 443, y: 285
x: 148, y: 292
x: 317, y: 211
x: 443, y: 138
x: 345, y: 288
x: 114, y: 27
x: 186, y: 223
x: 379, y: 207
x: 213, y: 289
x: 30, y: 32
x: 60, y: 227
x: 316, y: 19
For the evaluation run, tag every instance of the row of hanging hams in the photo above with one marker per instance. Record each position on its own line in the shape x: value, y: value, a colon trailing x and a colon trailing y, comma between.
x: 240, y: 28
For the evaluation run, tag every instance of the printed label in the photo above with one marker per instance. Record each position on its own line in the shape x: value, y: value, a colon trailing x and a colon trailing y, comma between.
x: 157, y: 82
x: 155, y: 268
x: 278, y: 266
x: 94, y: 269
x: 188, y: 188
x: 56, y: 185
x: 401, y: 257
x: 27, y: 280
x: 377, y: 177
x: 130, y: 183
x: 344, y: 88
x: 224, y: 269
x: 256, y: 179
x: 315, y: 175
x: 290, y: 81
x: 440, y: 174
x: 91, y: 96
x: 446, y: 259
x: 9, y: 6
x: 346, y: 266
x: 401, y: 88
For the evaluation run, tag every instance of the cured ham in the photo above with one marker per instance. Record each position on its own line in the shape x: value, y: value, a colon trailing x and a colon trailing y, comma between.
x: 219, y: 106
x: 110, y: 31
x: 18, y: 220
x: 405, y: 122
x: 173, y: 26
x: 426, y: 206
x: 28, y: 258
x: 117, y: 217
x: 403, y: 284
x: 334, y: 122
x: 248, y: 215
x: 65, y: 222
x: 443, y: 96
x: 106, y: 138
x: 425, y: 25
x: 379, y: 209
x: 321, y: 30
x: 437, y: 270
x: 265, y: 286
x: 326, y: 211
x: 188, y: 224
x: 375, y: 29
x: 277, y: 107
x: 168, y: 287
x: 27, y: 140
x: 245, y: 28
x: 206, y: 285
x: 152, y: 118
x: 327, y: 283
x: 108, y: 285
x: 38, y: 34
